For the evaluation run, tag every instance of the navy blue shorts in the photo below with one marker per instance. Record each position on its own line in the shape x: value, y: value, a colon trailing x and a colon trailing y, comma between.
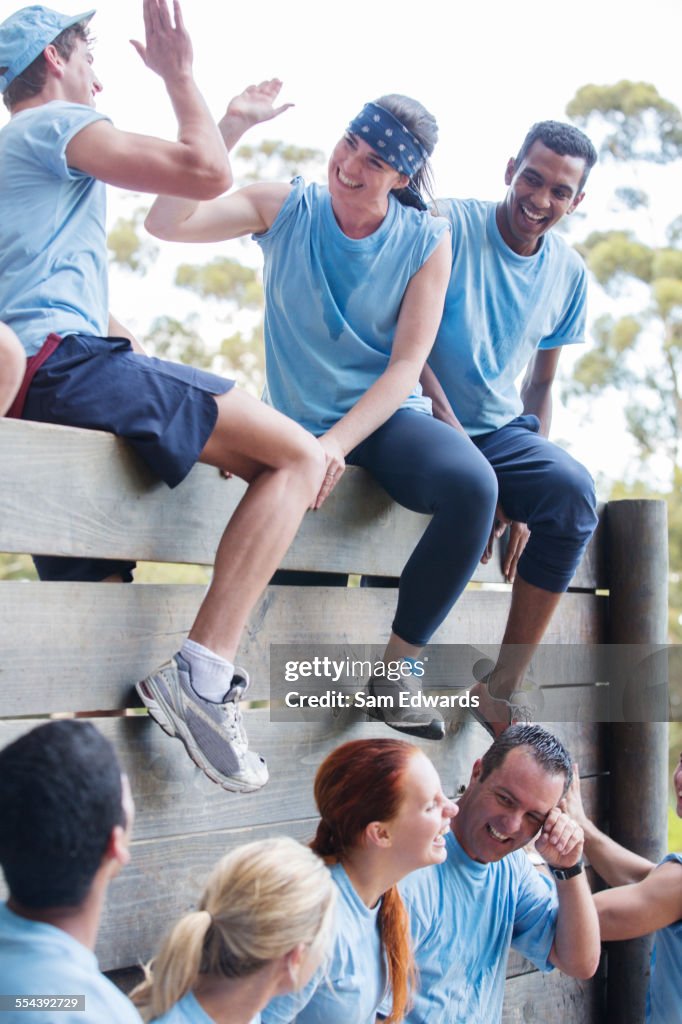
x: 166, y: 411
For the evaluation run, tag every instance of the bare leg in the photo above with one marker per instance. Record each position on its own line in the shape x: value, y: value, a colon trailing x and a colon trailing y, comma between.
x: 529, y: 616
x: 397, y: 649
x: 12, y: 367
x: 284, y: 466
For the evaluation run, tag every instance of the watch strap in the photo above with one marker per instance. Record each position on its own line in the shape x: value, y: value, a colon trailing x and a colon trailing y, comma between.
x: 561, y: 874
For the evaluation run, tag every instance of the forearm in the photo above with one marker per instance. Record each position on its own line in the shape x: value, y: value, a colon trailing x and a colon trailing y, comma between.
x: 232, y: 128
x: 377, y: 404
x: 537, y: 401
x: 577, y: 943
x: 442, y: 410
x: 611, y: 861
x: 197, y: 131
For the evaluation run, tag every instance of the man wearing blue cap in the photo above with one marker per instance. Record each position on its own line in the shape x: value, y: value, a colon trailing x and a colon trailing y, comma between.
x: 56, y: 153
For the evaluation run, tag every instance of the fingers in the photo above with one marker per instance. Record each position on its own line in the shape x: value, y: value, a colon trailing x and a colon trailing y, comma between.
x: 177, y: 17
x: 519, y: 535
x: 142, y: 50
x: 331, y: 478
x: 561, y: 840
x: 280, y: 110
x: 487, y: 554
x: 147, y: 16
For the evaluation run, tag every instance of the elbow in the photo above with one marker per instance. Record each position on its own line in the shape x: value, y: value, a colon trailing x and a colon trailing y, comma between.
x: 156, y: 228
x: 209, y: 177
x: 584, y: 966
x: 588, y: 967
x: 216, y: 180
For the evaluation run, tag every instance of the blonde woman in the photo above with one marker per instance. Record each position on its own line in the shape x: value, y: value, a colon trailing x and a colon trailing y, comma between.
x: 262, y: 929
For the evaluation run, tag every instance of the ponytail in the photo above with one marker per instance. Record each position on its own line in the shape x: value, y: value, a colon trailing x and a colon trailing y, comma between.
x: 177, y: 967
x: 394, y: 926
x: 359, y: 782
x: 324, y: 844
x: 260, y: 902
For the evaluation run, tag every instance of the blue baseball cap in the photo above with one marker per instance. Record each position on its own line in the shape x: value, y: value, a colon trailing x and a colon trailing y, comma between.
x: 26, y: 33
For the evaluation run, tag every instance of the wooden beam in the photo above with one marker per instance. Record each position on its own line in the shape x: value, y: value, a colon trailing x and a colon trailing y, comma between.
x: 88, y: 494
x: 637, y: 554
x: 90, y: 642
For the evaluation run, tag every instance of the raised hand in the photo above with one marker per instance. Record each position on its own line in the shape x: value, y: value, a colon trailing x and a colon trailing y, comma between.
x: 167, y: 49
x: 561, y: 840
x: 572, y: 802
x: 256, y: 104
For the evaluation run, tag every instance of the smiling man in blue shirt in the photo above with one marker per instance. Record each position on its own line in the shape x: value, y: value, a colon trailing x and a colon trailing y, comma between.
x: 486, y: 897
x: 517, y: 295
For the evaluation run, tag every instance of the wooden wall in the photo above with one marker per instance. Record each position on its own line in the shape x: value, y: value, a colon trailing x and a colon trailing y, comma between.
x: 79, y: 647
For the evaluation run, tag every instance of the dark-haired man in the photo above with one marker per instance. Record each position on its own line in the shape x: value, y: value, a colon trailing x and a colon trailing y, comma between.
x: 517, y: 294
x: 56, y: 154
x: 66, y: 814
x: 486, y: 896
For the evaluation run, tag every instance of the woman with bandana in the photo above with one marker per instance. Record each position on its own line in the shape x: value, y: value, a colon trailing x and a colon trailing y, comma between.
x: 355, y: 277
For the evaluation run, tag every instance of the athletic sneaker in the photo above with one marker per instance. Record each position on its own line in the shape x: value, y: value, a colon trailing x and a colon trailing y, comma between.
x: 213, y: 734
x: 426, y: 723
x: 492, y: 711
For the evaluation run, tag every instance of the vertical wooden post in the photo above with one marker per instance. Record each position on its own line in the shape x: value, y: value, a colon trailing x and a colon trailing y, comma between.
x: 637, y: 553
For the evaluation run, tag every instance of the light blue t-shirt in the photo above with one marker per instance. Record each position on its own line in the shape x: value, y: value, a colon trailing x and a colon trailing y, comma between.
x: 39, y: 959
x: 664, y: 998
x: 188, y: 1011
x: 499, y: 308
x: 351, y: 987
x: 464, y: 916
x: 53, y: 256
x: 332, y: 303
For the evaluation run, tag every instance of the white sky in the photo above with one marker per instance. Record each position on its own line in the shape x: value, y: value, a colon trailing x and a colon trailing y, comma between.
x: 487, y: 70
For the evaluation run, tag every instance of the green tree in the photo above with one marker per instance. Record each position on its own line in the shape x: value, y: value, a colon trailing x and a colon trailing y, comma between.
x: 129, y: 249
x: 637, y: 350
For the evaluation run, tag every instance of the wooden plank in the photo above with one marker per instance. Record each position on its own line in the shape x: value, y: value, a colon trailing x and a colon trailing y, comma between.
x: 173, y: 797
x: 88, y: 494
x: 91, y: 642
x: 184, y: 822
x: 164, y: 880
x: 553, y: 999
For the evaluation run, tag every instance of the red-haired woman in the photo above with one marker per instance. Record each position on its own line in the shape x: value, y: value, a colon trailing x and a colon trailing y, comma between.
x: 382, y: 814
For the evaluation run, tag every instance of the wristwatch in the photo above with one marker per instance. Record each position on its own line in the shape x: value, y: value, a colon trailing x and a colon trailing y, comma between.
x: 561, y: 874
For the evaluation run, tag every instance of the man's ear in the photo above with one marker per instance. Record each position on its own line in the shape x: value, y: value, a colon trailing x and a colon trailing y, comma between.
x: 377, y: 834
x: 54, y: 60
x: 576, y: 202
x: 509, y: 171
x: 117, y: 848
x: 476, y: 770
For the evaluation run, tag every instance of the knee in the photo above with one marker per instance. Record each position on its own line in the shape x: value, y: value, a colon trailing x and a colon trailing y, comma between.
x: 474, y: 491
x: 308, y: 461
x: 572, y: 489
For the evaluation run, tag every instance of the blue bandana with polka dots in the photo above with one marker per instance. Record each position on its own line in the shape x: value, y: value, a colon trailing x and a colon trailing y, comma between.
x: 389, y: 138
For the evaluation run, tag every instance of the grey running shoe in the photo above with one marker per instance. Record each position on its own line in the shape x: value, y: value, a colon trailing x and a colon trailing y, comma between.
x: 213, y: 734
x: 497, y: 711
x: 426, y: 723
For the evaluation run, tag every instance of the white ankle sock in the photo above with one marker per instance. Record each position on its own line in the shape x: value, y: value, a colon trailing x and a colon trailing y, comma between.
x: 211, y: 674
